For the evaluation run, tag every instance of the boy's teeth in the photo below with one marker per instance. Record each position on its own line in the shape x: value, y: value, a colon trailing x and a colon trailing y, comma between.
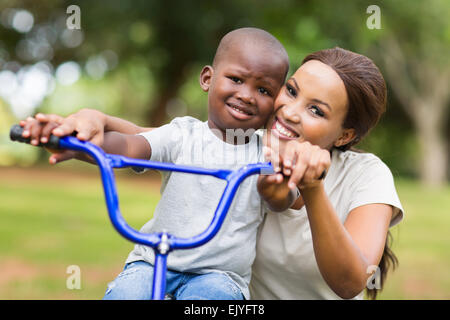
x: 284, y: 131
x: 239, y: 110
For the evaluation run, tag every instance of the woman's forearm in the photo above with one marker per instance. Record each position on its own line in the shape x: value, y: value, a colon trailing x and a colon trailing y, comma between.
x: 340, y: 261
x: 122, y: 126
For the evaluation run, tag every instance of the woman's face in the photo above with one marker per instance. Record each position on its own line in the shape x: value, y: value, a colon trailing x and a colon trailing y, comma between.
x: 312, y: 106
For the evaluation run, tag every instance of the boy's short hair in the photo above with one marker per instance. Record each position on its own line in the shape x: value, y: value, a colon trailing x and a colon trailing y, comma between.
x: 259, y: 37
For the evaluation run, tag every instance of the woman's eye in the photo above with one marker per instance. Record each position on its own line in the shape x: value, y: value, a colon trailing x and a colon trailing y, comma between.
x: 236, y: 80
x: 291, y: 90
x: 317, y: 111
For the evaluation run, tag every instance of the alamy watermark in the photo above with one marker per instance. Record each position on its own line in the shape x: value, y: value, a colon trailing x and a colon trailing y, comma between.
x: 374, y: 20
x: 73, y: 21
x: 74, y: 279
x: 374, y: 280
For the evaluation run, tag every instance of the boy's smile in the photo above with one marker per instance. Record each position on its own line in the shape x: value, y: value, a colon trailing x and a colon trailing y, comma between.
x: 242, y: 87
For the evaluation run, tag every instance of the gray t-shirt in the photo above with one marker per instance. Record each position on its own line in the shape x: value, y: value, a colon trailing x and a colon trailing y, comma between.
x: 188, y: 201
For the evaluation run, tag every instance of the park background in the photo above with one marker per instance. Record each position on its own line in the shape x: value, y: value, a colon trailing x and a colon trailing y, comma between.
x: 140, y: 60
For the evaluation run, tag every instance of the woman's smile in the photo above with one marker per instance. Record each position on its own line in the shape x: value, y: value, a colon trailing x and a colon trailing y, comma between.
x: 282, y: 130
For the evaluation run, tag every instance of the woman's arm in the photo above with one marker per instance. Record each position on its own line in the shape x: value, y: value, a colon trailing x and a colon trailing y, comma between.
x: 344, y: 252
x: 123, y: 126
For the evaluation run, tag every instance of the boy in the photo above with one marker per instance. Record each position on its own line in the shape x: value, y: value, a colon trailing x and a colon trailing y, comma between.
x: 248, y: 70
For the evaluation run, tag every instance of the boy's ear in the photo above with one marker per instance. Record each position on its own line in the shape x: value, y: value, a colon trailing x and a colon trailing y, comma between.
x: 205, y: 77
x: 346, y: 137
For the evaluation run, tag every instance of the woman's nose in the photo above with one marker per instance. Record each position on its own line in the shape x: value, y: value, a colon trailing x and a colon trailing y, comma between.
x: 291, y: 113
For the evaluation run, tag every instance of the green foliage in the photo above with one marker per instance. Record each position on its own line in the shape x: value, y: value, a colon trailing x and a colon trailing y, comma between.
x: 161, y: 46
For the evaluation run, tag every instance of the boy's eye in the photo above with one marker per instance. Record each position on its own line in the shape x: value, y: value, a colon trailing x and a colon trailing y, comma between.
x: 235, y: 79
x: 264, y: 91
x: 317, y: 111
x: 291, y: 90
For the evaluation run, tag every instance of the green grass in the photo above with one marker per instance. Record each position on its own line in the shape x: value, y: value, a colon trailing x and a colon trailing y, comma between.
x: 47, y: 224
x: 51, y: 219
x: 422, y: 245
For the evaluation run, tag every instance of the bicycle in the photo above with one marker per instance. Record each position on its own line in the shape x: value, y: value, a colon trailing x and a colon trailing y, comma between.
x: 161, y: 242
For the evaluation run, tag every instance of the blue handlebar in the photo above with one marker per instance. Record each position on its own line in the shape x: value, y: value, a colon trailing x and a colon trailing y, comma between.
x: 107, y: 162
x: 162, y: 243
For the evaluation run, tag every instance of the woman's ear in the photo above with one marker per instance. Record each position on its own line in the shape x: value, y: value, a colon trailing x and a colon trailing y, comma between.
x: 205, y: 77
x: 347, y: 136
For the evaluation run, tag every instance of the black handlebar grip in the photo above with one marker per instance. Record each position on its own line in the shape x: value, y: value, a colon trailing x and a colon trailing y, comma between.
x: 15, y: 134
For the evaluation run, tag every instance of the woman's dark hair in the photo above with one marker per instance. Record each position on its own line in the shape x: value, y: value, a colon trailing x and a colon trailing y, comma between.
x: 366, y: 92
x: 365, y: 86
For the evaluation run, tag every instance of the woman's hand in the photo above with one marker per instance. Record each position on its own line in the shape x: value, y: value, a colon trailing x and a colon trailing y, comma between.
x: 305, y: 164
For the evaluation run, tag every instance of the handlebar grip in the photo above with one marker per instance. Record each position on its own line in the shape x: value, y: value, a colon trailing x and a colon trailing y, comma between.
x: 15, y: 134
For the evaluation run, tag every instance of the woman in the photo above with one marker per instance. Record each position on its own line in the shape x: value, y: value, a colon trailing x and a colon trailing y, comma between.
x: 335, y: 232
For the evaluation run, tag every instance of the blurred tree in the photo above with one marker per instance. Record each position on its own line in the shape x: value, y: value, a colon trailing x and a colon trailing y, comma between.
x: 159, y: 43
x: 170, y: 35
x: 416, y: 63
x: 412, y: 50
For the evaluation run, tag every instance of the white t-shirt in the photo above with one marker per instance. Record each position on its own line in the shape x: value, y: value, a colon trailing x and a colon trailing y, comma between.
x: 285, y: 266
x: 188, y: 201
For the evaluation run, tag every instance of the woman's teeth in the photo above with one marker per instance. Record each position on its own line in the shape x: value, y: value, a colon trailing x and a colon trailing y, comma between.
x: 284, y: 131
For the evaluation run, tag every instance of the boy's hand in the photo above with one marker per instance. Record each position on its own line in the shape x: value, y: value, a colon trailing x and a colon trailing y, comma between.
x: 39, y: 129
x: 274, y: 187
x: 301, y: 166
x: 89, y: 125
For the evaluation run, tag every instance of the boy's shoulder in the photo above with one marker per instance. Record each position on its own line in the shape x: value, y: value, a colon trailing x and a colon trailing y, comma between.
x: 185, y: 126
x: 186, y: 121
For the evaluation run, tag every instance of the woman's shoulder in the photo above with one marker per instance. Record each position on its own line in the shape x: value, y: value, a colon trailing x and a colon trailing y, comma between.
x: 369, y: 179
x: 356, y: 168
x: 357, y: 161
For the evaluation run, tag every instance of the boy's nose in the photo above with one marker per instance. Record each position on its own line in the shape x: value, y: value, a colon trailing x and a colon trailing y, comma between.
x: 246, y: 96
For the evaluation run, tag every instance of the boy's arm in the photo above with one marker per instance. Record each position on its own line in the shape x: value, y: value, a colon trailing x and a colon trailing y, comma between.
x: 90, y: 125
x: 130, y: 145
x: 274, y: 190
x: 119, y: 135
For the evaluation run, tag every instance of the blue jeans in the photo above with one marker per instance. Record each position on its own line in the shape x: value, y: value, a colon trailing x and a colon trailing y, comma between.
x: 135, y: 283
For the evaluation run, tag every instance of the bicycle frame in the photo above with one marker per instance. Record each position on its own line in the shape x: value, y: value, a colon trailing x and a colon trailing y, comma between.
x: 162, y: 242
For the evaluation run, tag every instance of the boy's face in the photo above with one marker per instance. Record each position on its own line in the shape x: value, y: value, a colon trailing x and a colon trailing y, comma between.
x: 242, y: 88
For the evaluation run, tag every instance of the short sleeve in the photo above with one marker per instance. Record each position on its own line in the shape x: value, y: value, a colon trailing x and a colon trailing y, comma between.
x: 165, y: 141
x: 375, y: 184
